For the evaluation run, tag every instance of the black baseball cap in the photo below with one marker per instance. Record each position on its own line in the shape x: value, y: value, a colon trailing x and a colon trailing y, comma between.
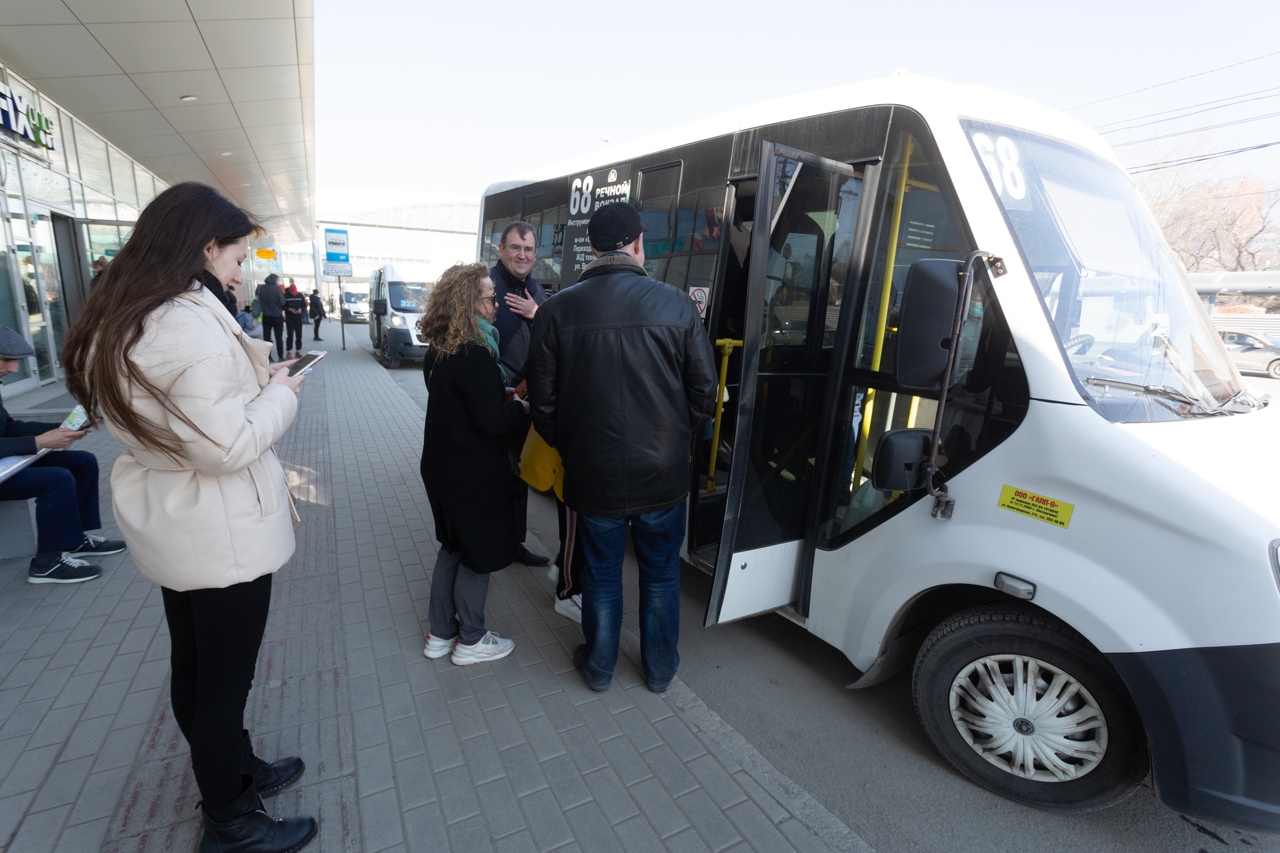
x: 614, y: 226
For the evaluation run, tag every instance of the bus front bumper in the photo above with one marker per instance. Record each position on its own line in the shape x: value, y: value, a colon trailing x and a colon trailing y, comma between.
x: 400, y: 342
x: 1213, y: 724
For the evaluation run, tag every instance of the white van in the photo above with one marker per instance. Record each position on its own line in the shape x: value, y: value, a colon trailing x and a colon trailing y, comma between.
x: 355, y: 303
x: 982, y: 427
x: 396, y: 307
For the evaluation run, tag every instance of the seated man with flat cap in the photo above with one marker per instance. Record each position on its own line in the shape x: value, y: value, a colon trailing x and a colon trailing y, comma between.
x: 64, y: 484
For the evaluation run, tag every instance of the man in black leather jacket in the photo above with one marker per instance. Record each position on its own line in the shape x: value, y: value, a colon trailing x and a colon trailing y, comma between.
x: 621, y: 378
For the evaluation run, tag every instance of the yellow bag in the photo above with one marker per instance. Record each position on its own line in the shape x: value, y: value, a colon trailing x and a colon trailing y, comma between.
x: 540, y: 465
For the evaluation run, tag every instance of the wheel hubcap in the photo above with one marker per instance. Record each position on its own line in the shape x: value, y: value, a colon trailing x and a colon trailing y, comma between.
x: 1028, y: 718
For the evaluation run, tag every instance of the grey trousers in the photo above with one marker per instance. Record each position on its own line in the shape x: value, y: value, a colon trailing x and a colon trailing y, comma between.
x: 456, y: 608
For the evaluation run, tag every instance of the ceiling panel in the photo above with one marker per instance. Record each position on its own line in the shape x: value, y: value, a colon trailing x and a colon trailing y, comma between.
x: 52, y: 51
x: 128, y: 11
x: 122, y: 66
x: 198, y: 117
x: 258, y: 113
x: 144, y: 148
x: 167, y: 46
x: 217, y: 140
x: 127, y: 124
x: 37, y: 12
x: 165, y: 88
x: 234, y: 44
x: 261, y: 83
x: 235, y: 10
x: 90, y: 94
x: 305, y: 36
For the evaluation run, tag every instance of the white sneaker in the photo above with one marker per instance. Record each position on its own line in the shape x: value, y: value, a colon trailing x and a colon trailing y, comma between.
x: 553, y: 573
x: 438, y: 648
x: 488, y: 647
x: 570, y: 608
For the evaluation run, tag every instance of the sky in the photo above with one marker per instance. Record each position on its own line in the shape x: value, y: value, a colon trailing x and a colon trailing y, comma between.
x: 422, y: 102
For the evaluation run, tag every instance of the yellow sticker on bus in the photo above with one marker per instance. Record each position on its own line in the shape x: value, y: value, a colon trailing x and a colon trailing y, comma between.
x: 1039, y: 507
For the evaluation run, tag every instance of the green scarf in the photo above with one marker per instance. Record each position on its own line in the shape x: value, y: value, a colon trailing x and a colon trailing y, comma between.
x: 489, y: 337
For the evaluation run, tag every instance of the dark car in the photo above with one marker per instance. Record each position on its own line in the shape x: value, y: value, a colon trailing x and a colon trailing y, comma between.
x: 1254, y: 351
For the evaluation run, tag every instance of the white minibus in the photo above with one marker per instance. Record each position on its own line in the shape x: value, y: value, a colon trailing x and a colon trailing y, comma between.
x: 396, y: 307
x: 976, y: 423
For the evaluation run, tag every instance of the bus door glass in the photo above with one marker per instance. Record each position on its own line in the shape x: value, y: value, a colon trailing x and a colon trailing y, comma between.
x: 801, y: 240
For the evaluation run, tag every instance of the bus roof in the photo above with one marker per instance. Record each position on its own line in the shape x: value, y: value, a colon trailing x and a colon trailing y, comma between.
x: 936, y: 100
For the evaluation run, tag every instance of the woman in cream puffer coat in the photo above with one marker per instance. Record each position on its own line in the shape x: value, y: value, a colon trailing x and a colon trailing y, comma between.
x: 198, y: 492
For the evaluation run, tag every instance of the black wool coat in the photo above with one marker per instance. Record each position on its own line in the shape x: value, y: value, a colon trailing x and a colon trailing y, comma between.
x: 466, y: 462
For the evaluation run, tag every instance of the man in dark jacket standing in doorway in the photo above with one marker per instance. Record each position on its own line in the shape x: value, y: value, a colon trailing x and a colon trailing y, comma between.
x: 621, y: 378
x: 519, y: 296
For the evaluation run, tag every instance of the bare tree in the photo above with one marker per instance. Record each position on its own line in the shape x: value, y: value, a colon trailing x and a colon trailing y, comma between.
x: 1225, y: 225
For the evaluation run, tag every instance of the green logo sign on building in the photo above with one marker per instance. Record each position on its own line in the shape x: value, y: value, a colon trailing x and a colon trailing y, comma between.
x: 22, y: 119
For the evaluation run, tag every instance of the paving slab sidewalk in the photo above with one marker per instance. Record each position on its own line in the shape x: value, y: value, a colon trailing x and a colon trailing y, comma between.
x: 403, y: 753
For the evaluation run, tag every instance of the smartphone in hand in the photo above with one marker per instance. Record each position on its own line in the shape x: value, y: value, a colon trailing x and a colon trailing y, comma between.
x: 76, y: 420
x: 306, y: 362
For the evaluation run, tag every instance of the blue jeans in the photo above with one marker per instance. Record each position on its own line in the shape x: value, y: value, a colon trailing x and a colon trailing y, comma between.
x: 656, y: 537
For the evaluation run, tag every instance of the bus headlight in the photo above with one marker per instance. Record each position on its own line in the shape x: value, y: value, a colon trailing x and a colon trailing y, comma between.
x: 397, y: 320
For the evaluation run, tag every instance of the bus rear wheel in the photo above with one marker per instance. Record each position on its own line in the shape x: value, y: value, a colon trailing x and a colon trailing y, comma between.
x: 1027, y: 708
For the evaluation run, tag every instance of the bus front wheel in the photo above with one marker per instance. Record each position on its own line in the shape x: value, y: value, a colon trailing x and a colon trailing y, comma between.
x: 387, y: 360
x: 1027, y: 708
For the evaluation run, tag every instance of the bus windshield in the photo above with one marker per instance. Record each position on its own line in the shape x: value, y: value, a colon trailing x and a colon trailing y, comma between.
x: 407, y: 296
x: 1132, y: 329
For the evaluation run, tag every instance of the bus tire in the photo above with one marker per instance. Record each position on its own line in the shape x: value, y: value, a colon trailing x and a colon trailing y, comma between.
x: 385, y: 353
x: 1059, y: 730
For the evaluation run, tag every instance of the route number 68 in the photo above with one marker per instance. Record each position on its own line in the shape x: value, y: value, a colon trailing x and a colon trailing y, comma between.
x: 580, y: 195
x: 1001, y: 161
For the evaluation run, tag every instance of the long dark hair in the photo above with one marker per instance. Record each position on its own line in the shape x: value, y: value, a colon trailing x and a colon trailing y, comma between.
x: 162, y: 257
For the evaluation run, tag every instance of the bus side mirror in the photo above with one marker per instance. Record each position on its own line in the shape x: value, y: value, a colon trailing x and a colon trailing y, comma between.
x: 379, y: 307
x: 900, y: 460
x: 925, y: 322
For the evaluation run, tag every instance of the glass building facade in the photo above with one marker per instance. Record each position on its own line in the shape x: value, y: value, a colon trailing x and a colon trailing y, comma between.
x: 69, y: 198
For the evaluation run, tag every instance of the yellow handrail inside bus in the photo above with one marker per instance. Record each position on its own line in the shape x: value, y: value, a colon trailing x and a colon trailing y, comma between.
x: 886, y: 289
x: 726, y: 346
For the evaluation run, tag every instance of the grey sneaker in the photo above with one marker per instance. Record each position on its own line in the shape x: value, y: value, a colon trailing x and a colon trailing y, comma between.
x: 489, y: 647
x: 438, y: 648
x: 96, y: 546
x: 570, y: 608
x: 66, y: 569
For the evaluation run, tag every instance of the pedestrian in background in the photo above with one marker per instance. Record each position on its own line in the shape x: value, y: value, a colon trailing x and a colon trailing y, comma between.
x: 317, y: 314
x: 519, y: 295
x: 271, y: 304
x: 295, y: 305
x: 64, y: 485
x: 198, y: 491
x: 621, y: 377
x: 467, y: 465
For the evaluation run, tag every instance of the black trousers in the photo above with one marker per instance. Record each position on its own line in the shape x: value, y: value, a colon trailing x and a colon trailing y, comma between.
x: 215, y: 636
x: 315, y: 330
x: 65, y: 486
x: 270, y: 323
x: 293, y: 332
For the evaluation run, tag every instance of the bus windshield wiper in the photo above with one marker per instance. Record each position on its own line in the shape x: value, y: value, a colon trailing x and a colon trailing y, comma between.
x: 1167, y: 392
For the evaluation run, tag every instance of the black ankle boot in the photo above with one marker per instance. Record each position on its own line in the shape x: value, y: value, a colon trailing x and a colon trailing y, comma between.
x: 269, y: 779
x: 243, y: 826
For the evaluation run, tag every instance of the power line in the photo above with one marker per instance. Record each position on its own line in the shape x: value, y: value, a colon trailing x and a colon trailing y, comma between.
x: 1221, y: 104
x: 1200, y: 129
x: 1187, y: 161
x: 1178, y: 80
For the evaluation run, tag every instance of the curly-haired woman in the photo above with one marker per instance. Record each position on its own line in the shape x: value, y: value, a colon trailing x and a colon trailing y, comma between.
x: 466, y: 462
